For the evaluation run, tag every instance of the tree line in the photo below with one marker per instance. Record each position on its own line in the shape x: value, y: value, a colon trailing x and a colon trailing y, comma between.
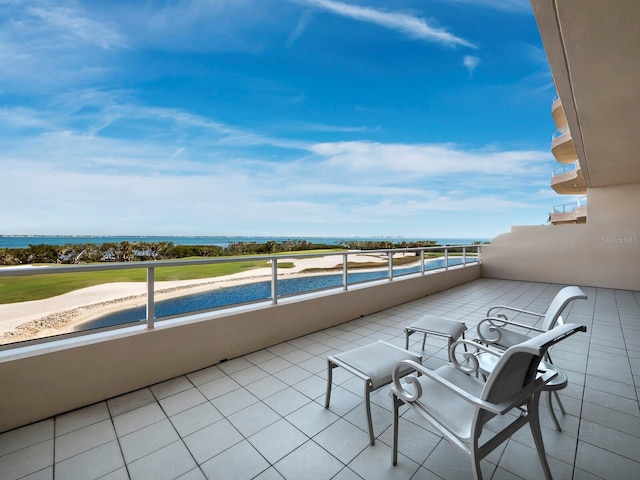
x: 140, y: 251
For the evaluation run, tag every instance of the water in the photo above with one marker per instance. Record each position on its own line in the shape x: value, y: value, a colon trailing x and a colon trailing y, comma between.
x: 257, y: 291
x: 23, y: 241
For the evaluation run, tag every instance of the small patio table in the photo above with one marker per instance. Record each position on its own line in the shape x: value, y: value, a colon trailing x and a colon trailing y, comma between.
x: 441, y: 327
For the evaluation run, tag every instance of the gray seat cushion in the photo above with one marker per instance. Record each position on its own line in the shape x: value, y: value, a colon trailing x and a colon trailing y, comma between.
x: 438, y: 326
x: 376, y: 361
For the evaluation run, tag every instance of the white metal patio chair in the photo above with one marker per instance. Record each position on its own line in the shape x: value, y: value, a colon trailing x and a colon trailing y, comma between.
x: 458, y: 405
x: 494, y: 330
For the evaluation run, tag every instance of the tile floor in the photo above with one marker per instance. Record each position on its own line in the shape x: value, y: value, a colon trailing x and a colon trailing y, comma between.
x: 262, y: 416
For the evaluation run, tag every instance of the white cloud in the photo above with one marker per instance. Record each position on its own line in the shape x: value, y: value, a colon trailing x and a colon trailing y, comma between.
x: 45, y: 44
x: 70, y: 23
x: 514, y: 6
x: 409, y: 25
x: 89, y: 183
x: 300, y: 26
x: 470, y: 62
x: 427, y: 159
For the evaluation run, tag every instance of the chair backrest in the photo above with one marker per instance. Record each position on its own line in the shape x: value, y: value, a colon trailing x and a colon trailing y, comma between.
x: 558, y: 304
x: 517, y: 367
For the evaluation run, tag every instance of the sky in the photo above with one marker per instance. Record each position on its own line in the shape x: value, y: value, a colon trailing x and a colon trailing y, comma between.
x: 414, y: 118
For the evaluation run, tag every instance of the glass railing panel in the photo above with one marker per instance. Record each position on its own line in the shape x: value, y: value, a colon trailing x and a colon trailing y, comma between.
x: 38, y: 306
x: 185, y: 289
x: 85, y: 298
x: 560, y: 132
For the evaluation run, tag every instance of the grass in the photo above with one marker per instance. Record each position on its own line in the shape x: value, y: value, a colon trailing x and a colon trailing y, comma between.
x: 37, y: 287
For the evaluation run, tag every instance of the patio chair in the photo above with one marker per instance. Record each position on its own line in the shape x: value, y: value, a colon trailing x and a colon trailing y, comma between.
x: 493, y: 331
x: 487, y: 363
x: 458, y: 405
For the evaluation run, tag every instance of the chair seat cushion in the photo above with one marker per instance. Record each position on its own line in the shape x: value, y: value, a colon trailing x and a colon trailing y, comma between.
x: 508, y: 338
x: 445, y: 406
x: 438, y: 326
x: 376, y: 361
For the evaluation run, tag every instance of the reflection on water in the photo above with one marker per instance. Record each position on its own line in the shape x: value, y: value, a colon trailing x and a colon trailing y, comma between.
x: 256, y: 291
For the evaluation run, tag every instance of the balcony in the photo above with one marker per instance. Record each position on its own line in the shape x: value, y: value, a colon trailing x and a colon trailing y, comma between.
x: 568, y: 179
x: 557, y: 112
x: 261, y: 415
x: 569, y: 213
x: 562, y: 146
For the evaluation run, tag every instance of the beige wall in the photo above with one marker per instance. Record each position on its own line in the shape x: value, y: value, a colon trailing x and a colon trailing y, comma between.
x: 52, y: 378
x: 604, y: 252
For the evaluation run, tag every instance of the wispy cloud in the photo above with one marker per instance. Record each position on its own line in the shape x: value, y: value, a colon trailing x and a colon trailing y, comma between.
x: 470, y: 62
x: 331, y: 188
x: 410, y: 25
x: 300, y: 26
x: 515, y: 6
x: 46, y: 45
x: 75, y: 25
x: 440, y: 159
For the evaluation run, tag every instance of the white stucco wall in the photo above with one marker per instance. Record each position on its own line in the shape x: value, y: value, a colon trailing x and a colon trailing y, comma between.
x: 604, y: 252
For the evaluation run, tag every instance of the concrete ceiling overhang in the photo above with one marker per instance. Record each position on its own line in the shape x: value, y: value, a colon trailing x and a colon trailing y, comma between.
x: 593, y: 47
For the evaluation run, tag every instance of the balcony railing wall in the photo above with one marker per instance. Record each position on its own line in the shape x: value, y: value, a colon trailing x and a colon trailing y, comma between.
x: 44, y: 379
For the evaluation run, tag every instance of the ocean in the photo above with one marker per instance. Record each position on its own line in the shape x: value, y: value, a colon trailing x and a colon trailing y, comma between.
x: 23, y: 241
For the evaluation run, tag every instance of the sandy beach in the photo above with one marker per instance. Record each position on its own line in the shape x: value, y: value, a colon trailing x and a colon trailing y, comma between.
x: 61, y: 314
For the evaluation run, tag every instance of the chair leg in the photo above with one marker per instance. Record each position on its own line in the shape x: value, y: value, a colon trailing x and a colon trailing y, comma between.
x: 552, y: 412
x: 367, y: 402
x: 394, y: 450
x: 330, y: 367
x: 534, y: 424
x: 559, y: 402
x: 475, y: 462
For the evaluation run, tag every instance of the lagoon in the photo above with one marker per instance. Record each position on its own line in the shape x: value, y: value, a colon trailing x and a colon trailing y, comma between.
x: 256, y: 291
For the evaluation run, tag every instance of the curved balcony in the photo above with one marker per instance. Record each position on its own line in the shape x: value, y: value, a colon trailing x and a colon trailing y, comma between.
x: 568, y: 179
x: 574, y: 212
x: 562, y: 145
x: 557, y: 112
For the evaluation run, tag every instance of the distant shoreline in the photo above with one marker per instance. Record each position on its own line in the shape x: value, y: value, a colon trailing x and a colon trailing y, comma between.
x: 23, y: 241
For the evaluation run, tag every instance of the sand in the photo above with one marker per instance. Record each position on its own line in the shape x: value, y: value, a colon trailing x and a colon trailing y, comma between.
x: 63, y: 313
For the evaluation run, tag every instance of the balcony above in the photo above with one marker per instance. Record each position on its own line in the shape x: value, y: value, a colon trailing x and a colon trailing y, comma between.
x: 557, y: 112
x: 569, y: 213
x: 568, y: 179
x: 562, y: 146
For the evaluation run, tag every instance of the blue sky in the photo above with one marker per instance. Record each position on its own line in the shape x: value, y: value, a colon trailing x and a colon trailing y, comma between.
x: 416, y: 118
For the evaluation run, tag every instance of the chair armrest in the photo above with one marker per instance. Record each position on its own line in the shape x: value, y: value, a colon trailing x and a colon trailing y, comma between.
x: 506, y: 307
x: 467, y: 361
x: 494, y: 326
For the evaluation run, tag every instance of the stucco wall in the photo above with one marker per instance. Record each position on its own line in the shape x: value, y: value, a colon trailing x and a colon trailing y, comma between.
x: 604, y: 252
x: 44, y: 380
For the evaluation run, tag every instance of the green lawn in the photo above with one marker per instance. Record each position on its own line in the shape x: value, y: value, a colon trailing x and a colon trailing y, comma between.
x: 36, y: 287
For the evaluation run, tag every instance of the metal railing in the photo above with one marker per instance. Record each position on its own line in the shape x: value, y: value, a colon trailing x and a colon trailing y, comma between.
x: 447, y: 257
x: 570, y: 207
x: 569, y: 167
x: 560, y: 132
